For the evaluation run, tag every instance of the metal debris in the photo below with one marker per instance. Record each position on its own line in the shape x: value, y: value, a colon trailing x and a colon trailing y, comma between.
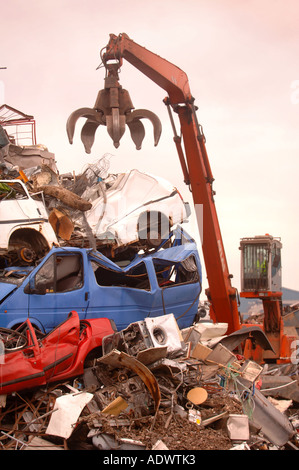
x: 173, y: 401
x: 154, y: 387
x: 92, y: 209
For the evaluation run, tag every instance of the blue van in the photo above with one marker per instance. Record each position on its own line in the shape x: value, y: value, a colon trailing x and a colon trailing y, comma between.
x: 68, y: 278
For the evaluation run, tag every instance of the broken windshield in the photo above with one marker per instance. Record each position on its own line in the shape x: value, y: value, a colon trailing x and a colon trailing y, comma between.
x: 15, y: 275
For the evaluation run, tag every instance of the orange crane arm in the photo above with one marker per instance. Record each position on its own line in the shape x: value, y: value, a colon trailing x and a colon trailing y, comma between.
x: 195, y: 166
x: 163, y: 73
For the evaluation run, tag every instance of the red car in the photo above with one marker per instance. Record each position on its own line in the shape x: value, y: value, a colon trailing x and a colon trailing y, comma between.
x: 30, y: 359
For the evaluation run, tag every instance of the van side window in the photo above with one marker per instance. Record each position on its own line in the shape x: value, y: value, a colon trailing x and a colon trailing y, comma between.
x: 176, y: 273
x: 60, y: 273
x: 136, y: 278
x: 45, y: 279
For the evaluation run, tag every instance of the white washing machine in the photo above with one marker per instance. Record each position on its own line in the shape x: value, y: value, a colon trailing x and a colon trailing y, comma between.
x: 164, y: 331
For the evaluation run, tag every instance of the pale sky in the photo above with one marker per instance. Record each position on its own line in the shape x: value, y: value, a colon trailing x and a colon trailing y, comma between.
x: 241, y: 58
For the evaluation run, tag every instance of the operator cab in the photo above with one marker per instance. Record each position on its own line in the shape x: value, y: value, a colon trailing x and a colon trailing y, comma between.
x: 260, y: 265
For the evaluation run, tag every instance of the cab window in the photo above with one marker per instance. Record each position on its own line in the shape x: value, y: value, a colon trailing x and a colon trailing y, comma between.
x: 60, y: 273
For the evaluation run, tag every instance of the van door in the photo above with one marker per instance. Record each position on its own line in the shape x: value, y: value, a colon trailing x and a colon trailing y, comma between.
x: 58, y: 286
x: 180, y: 286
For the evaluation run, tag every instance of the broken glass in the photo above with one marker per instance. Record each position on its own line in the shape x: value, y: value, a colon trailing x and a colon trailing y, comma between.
x: 169, y: 273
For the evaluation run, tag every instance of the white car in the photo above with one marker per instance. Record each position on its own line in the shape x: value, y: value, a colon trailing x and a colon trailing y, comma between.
x: 26, y: 233
x: 134, y: 208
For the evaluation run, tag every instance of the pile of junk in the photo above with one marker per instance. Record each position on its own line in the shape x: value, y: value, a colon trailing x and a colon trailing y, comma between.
x: 156, y: 387
x: 118, y: 214
x: 152, y: 385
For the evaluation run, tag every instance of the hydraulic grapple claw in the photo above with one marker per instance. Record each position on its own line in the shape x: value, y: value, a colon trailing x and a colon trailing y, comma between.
x: 113, y: 108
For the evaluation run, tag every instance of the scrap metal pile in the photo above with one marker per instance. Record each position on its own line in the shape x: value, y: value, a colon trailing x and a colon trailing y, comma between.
x: 153, y: 386
x: 156, y: 387
x: 110, y: 212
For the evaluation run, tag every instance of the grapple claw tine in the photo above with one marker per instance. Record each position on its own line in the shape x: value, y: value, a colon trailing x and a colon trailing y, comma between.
x: 137, y: 132
x: 116, y: 126
x: 88, y: 134
x: 145, y: 113
x: 88, y: 113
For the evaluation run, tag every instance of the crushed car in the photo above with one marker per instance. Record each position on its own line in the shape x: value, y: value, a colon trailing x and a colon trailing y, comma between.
x: 167, y: 280
x: 135, y: 209
x: 119, y: 214
x: 29, y: 359
x: 26, y: 233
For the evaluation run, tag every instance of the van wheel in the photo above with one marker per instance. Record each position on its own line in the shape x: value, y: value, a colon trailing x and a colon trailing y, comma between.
x: 27, y: 245
x: 26, y: 254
